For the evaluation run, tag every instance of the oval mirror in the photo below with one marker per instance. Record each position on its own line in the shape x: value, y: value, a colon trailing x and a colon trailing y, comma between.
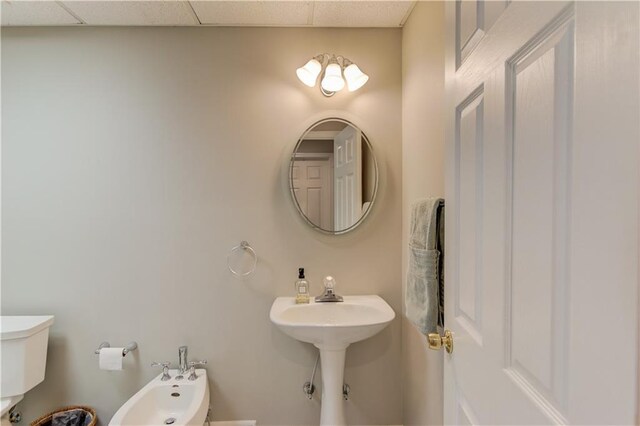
x: 333, y: 176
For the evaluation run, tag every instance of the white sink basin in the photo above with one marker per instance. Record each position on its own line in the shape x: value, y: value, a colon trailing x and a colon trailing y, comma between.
x: 332, y: 324
x: 332, y: 327
x: 175, y: 402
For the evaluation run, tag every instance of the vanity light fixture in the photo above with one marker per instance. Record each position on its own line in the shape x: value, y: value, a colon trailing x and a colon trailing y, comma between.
x: 333, y: 71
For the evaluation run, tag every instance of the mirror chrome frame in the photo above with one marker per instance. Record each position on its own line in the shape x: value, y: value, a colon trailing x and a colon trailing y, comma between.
x: 365, y: 214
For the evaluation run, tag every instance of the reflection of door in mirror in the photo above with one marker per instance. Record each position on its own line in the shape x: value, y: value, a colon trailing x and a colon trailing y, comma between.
x: 347, y: 148
x: 333, y: 175
x: 312, y: 178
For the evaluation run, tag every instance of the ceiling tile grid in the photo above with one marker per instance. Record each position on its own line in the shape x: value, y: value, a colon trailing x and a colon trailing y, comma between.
x: 267, y: 13
x: 361, y: 13
x: 160, y: 13
x: 276, y: 13
x: 18, y: 13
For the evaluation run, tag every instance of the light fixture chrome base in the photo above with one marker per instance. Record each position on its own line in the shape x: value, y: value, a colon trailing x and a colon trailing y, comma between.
x: 326, y: 93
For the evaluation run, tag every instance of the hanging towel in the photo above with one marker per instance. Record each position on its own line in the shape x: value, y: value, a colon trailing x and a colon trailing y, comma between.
x: 424, y: 295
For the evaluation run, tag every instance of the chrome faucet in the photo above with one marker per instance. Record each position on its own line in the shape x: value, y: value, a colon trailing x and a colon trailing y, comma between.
x: 329, y: 294
x: 192, y: 368
x: 182, y: 359
x: 165, y: 369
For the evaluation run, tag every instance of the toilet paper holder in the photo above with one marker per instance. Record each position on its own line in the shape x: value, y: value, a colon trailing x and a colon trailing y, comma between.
x: 132, y: 346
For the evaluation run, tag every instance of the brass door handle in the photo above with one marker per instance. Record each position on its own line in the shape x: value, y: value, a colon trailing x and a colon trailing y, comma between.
x: 437, y: 342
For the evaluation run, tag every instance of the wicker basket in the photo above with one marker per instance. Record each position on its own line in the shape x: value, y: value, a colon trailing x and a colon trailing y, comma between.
x: 46, y: 419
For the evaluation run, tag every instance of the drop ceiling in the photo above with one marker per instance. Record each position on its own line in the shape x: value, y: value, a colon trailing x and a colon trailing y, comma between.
x: 336, y: 13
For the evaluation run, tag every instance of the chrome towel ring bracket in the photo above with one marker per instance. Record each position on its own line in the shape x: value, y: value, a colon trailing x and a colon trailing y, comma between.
x: 243, y: 247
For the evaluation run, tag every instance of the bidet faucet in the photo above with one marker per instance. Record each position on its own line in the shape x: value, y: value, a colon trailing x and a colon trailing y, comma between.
x: 165, y: 369
x: 182, y: 359
x: 329, y: 294
x: 192, y: 368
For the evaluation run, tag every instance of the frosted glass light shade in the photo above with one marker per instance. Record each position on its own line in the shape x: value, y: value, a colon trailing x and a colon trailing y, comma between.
x: 308, y: 74
x: 333, y: 81
x: 355, y: 77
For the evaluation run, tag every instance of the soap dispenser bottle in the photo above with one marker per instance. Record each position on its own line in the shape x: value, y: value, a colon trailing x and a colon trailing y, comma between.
x: 302, y: 288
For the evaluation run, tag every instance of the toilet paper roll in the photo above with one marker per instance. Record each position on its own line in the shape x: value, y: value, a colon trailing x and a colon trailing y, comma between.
x: 111, y: 358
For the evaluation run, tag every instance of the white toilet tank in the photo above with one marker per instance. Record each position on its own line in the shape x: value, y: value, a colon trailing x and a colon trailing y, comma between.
x: 24, y: 352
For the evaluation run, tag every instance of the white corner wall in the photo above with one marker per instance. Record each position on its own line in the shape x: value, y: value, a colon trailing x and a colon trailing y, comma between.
x: 134, y: 159
x: 422, y: 176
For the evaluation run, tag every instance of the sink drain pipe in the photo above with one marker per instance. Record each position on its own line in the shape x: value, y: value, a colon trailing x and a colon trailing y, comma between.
x: 15, y: 416
x: 208, y: 419
x: 309, y: 388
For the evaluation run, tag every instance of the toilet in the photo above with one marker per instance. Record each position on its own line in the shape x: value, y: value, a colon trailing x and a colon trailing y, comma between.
x: 24, y: 341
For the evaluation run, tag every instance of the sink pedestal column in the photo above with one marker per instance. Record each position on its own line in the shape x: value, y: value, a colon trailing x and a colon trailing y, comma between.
x: 332, y: 363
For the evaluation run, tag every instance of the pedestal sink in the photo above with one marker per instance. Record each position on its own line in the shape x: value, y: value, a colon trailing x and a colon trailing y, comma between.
x: 332, y: 327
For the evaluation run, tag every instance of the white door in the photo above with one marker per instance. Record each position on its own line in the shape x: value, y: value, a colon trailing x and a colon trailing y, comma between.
x: 347, y: 151
x: 312, y: 186
x: 542, y: 212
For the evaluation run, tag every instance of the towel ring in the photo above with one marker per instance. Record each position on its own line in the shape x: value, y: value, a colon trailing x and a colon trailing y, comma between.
x: 245, y: 247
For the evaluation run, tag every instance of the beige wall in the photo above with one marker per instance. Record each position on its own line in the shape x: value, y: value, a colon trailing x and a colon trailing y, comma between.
x: 422, y: 176
x: 133, y: 159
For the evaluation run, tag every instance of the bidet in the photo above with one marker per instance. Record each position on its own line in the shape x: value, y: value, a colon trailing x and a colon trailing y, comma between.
x: 167, y: 402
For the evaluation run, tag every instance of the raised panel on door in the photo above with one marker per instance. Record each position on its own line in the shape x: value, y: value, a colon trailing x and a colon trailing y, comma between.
x: 539, y: 88
x: 314, y: 204
x: 348, y: 177
x: 340, y: 209
x: 470, y: 182
x: 312, y: 186
x: 473, y: 19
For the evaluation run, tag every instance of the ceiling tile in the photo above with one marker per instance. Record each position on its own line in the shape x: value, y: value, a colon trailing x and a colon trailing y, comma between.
x: 20, y: 12
x: 261, y: 13
x: 361, y: 13
x: 159, y: 12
